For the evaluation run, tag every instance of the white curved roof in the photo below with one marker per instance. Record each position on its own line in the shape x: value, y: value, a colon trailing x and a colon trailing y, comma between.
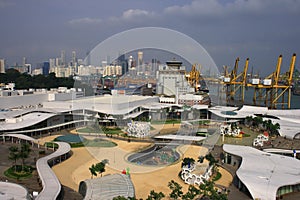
x: 13, y: 191
x: 21, y: 136
x: 108, y: 187
x: 114, y: 105
x: 289, y: 120
x: 26, y: 120
x: 264, y: 173
x: 51, y: 184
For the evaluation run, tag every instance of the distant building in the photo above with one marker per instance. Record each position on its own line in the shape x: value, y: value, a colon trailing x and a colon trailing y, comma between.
x: 20, y: 69
x: 63, y: 58
x: 122, y: 61
x: 171, y: 80
x: 112, y: 70
x: 37, y: 71
x: 2, y: 66
x: 46, y: 68
x: 28, y: 68
x: 140, y: 63
x: 74, y: 58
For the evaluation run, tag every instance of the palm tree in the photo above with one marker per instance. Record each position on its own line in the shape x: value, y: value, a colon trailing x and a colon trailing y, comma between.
x: 274, y: 128
x: 24, y: 153
x: 14, y: 155
x: 187, y: 161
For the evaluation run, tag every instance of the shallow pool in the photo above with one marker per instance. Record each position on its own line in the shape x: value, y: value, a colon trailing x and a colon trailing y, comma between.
x: 156, y: 155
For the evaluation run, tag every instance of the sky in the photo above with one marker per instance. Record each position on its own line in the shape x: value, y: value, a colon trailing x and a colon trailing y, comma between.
x: 227, y: 29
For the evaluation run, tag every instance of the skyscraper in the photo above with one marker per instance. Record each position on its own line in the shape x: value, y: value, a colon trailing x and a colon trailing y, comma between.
x: 63, y: 58
x: 46, y: 68
x: 140, y: 62
x: 24, y: 62
x: 2, y: 66
x: 74, y: 58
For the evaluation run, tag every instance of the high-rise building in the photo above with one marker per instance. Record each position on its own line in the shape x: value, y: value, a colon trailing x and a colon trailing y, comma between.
x: 63, y: 58
x: 57, y: 62
x: 52, y: 63
x: 130, y: 62
x: 24, y: 61
x: 46, y: 68
x: 140, y: 62
x: 124, y: 63
x: 74, y: 58
x: 2, y: 66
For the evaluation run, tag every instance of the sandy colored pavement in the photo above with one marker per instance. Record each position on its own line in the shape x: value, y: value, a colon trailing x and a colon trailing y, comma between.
x: 47, y: 139
x: 226, y: 178
x: 145, y: 178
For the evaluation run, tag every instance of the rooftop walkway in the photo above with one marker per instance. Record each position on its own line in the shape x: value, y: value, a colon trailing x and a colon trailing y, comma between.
x: 51, y: 185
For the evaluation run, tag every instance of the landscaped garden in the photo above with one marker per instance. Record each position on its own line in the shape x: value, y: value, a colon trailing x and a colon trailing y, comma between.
x: 79, y: 141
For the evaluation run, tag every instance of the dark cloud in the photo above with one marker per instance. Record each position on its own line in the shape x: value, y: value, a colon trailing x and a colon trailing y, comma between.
x: 260, y: 30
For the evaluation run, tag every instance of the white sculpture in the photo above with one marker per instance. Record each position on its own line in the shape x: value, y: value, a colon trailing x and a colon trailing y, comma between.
x: 190, y: 178
x: 138, y: 129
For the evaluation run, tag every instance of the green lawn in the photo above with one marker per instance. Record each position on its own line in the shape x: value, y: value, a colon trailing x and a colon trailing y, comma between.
x: 18, y: 173
x: 90, y: 143
x: 88, y: 130
x: 168, y: 121
x: 105, y: 130
x: 246, y: 140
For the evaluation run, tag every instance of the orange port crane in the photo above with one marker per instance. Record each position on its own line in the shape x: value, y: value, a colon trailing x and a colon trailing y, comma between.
x: 270, y: 92
x: 194, y: 77
x: 235, y: 84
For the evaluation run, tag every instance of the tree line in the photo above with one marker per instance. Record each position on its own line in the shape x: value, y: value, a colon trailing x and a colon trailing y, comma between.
x: 206, y: 191
x: 26, y: 81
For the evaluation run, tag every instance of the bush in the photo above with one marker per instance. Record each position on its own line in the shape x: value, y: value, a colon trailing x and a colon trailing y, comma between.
x: 50, y: 145
x: 19, y: 172
x: 42, y: 152
x: 217, y: 176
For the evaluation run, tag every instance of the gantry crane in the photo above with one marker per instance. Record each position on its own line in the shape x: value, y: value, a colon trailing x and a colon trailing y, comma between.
x: 263, y: 90
x: 194, y: 77
x: 235, y: 84
x: 269, y: 91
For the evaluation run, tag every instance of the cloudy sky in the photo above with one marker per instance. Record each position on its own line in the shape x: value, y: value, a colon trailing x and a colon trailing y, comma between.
x: 258, y: 29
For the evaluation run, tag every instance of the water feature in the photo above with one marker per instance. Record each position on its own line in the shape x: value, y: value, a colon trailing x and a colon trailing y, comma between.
x: 156, y: 155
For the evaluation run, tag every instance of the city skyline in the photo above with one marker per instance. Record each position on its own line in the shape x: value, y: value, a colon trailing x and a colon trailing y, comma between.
x: 260, y: 30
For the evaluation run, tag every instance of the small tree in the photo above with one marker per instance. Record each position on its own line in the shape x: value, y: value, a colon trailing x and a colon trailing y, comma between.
x: 93, y: 171
x: 211, y: 159
x: 100, y: 167
x: 176, y: 189
x: 200, y: 159
x: 155, y: 196
x: 187, y: 161
x: 14, y: 155
x: 209, y: 192
x: 24, y: 153
x: 120, y: 198
x: 191, y: 193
